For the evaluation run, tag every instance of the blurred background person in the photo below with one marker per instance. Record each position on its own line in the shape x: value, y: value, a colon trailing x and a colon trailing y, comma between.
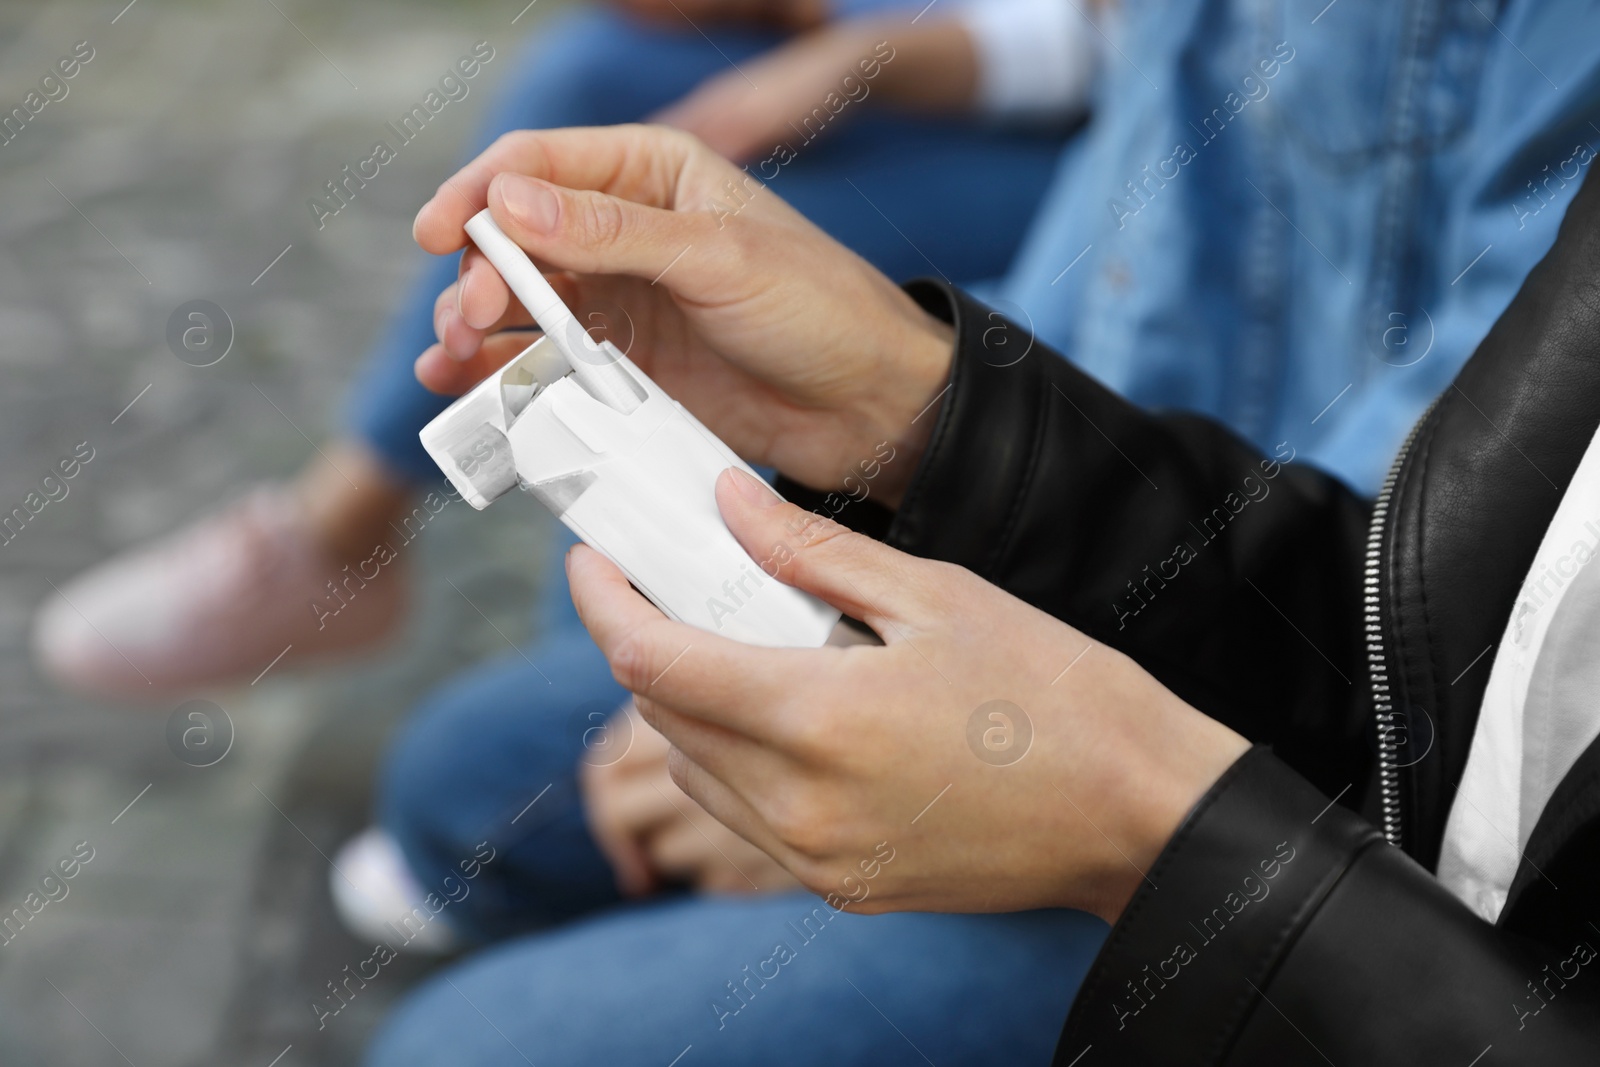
x: 844, y: 122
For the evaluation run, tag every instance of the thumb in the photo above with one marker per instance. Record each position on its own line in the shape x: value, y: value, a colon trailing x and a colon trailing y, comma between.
x: 863, y: 578
x: 591, y: 232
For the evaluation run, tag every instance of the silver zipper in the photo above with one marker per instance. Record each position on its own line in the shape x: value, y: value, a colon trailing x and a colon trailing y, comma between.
x: 1377, y: 653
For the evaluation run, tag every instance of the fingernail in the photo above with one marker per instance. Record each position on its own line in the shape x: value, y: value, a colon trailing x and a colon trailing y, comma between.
x: 532, y: 203
x: 754, y: 490
x: 450, y: 339
x: 461, y: 294
x: 416, y: 219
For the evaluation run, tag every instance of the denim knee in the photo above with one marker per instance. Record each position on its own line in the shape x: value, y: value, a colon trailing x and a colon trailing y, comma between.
x: 469, y: 752
x: 491, y: 759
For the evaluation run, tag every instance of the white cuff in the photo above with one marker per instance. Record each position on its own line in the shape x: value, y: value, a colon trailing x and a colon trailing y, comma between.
x: 1036, y: 58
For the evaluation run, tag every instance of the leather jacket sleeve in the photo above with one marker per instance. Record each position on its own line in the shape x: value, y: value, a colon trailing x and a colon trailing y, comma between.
x: 1162, y: 535
x: 1283, y: 930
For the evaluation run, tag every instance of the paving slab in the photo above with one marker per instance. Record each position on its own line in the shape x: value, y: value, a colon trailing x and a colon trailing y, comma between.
x: 177, y: 168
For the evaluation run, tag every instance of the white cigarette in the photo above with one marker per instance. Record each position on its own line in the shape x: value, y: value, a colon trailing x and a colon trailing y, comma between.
x: 594, y: 367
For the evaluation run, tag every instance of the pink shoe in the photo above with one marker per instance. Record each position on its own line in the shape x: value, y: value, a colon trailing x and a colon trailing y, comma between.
x: 219, y: 601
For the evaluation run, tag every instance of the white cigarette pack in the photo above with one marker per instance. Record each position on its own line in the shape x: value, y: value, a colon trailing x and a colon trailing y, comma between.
x: 630, y: 471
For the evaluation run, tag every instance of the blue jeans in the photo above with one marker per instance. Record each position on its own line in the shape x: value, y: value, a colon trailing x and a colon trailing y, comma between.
x: 913, y: 208
x: 638, y: 983
x: 647, y: 984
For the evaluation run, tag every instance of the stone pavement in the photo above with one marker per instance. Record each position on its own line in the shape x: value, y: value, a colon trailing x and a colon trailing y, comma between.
x: 177, y: 167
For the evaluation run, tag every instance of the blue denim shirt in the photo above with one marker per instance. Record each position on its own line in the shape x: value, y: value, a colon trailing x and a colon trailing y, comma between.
x: 1302, y: 219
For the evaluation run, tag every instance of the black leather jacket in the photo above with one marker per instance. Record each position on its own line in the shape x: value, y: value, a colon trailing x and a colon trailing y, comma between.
x: 1281, y: 928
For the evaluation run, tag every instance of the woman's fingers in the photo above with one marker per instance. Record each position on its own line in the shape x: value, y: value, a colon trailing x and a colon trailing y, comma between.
x: 594, y: 201
x: 597, y: 233
x: 482, y: 297
x: 480, y: 304
x: 863, y: 578
x: 746, y: 765
x: 728, y: 807
x: 622, y: 810
x: 679, y: 850
x: 624, y: 813
x: 442, y: 373
x: 723, y: 682
x: 465, y: 355
x: 471, y: 308
x: 698, y: 850
x: 637, y: 163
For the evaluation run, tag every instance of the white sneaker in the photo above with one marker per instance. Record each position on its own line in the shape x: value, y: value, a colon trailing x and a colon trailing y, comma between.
x: 379, y: 899
x: 218, y: 601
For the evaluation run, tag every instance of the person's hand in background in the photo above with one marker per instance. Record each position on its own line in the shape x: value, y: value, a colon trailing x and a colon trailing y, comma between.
x: 789, y: 14
x: 795, y: 92
x: 821, y: 756
x: 653, y: 834
x: 788, y: 346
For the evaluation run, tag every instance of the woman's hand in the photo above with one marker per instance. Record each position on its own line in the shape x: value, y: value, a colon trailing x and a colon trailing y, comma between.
x: 653, y: 834
x: 1063, y: 795
x: 792, y: 349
